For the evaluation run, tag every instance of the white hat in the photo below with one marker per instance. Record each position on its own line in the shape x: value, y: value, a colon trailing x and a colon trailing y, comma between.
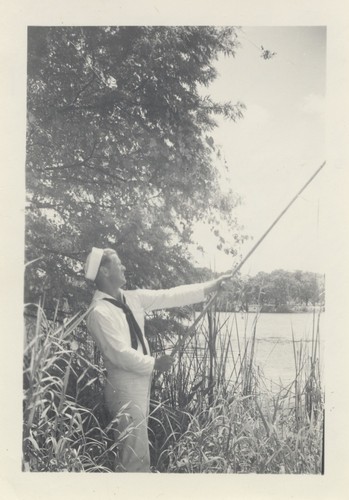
x: 93, y: 262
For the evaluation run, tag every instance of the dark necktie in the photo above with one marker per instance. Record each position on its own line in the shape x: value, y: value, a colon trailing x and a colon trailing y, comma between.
x: 135, y: 330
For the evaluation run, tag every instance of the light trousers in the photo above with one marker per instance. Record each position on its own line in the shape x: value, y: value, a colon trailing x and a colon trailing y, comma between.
x: 127, y: 400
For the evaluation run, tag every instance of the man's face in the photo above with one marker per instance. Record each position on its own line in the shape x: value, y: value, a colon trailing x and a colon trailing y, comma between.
x: 116, y: 271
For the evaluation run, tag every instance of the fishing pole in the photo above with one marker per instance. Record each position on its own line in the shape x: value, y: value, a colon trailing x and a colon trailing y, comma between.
x: 191, y: 329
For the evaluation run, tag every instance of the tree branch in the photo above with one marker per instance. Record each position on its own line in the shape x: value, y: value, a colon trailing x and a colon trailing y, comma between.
x: 82, y: 90
x: 76, y: 164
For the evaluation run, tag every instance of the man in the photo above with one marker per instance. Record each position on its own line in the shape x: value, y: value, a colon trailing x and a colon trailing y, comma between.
x: 116, y: 322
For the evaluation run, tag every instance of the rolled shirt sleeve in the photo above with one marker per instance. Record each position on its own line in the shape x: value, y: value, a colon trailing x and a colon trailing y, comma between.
x: 108, y: 335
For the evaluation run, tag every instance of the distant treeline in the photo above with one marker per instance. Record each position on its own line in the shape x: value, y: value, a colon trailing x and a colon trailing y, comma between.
x: 278, y: 291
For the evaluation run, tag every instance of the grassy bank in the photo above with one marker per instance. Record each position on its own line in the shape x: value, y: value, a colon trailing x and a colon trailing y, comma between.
x: 212, y: 414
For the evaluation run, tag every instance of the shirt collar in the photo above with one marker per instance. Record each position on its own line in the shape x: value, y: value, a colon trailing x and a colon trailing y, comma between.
x: 98, y: 295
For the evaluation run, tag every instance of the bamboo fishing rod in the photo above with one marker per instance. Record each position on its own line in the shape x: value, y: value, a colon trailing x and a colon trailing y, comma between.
x: 191, y: 329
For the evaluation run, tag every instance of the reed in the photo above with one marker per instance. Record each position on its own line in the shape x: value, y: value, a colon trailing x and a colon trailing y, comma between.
x: 214, y: 413
x: 230, y: 421
x: 61, y: 431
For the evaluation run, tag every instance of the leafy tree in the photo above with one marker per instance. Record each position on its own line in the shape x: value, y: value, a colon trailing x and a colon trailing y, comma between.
x: 261, y: 289
x: 308, y: 287
x: 279, y: 291
x: 119, y: 152
x: 279, y: 281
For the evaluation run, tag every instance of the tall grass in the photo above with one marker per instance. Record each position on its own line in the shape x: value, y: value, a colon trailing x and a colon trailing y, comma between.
x: 221, y: 416
x: 64, y: 424
x: 213, y: 413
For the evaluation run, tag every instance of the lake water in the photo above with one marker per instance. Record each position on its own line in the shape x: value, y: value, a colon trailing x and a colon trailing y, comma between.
x: 274, y: 351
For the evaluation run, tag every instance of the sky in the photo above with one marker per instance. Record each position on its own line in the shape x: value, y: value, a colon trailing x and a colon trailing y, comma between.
x: 275, y: 148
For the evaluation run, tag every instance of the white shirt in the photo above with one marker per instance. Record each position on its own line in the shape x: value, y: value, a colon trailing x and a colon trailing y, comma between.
x: 108, y: 324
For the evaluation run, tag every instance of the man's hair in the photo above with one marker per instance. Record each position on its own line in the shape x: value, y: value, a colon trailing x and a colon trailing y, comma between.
x: 105, y: 261
x: 107, y: 255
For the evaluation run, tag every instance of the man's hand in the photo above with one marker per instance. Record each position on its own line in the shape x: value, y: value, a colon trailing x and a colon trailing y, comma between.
x: 221, y: 281
x: 217, y: 284
x: 163, y: 363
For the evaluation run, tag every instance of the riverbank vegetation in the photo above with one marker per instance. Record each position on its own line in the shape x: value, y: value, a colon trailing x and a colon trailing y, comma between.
x: 215, y: 413
x: 279, y: 291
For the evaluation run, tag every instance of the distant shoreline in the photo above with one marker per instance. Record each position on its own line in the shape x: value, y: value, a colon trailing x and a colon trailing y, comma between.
x: 281, y: 310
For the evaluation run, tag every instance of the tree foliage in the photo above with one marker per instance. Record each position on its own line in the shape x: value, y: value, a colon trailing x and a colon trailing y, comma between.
x: 280, y: 291
x: 119, y: 151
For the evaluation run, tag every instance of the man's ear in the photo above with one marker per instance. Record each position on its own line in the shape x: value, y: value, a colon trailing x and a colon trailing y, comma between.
x: 104, y: 271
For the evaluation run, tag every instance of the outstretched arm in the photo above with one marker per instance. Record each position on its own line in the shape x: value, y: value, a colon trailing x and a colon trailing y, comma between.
x: 178, y: 296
